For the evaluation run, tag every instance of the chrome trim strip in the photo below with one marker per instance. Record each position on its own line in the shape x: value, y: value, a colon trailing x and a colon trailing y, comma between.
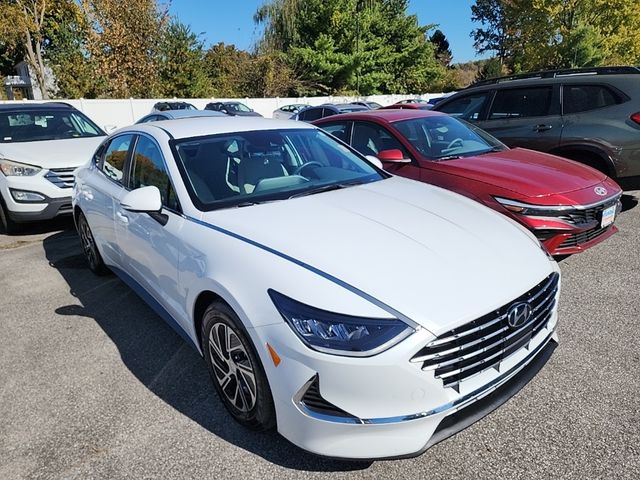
x: 453, y: 405
x: 555, y: 208
x: 317, y: 271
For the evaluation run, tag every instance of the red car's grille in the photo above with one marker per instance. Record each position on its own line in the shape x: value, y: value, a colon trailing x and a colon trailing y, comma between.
x: 583, y: 237
x: 580, y: 217
x: 485, y: 342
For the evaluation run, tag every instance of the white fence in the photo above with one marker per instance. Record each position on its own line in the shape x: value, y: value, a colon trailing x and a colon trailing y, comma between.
x: 120, y: 113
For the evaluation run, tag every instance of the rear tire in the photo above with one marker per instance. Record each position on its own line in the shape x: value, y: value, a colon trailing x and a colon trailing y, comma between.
x: 235, y: 369
x: 89, y: 247
x: 8, y: 226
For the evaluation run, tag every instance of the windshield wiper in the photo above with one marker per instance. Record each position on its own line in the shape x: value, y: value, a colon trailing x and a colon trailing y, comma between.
x: 325, y: 188
x: 448, y: 157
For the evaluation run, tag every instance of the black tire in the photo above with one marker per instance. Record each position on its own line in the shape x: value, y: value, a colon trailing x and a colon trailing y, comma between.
x: 235, y: 369
x: 89, y: 247
x: 7, y: 225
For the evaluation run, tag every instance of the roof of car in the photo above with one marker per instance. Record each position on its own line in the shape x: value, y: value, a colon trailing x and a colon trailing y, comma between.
x: 24, y: 106
x: 203, y: 126
x: 387, y: 115
x: 190, y: 113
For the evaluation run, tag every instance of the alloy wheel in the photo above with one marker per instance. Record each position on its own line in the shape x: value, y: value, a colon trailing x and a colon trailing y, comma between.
x: 88, y: 244
x: 232, y: 366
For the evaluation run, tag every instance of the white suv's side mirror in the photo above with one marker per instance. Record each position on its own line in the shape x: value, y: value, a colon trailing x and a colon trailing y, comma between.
x: 143, y: 200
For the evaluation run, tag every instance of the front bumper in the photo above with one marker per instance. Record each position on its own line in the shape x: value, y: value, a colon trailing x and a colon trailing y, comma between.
x: 395, y: 409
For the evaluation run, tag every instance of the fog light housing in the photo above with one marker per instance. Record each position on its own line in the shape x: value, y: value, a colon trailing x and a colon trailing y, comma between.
x: 24, y: 196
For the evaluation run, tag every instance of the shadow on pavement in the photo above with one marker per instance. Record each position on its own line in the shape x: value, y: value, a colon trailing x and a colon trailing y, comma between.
x: 628, y: 202
x: 162, y: 361
x: 47, y: 226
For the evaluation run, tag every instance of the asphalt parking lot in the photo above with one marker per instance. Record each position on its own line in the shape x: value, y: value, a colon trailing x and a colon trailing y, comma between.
x: 94, y: 385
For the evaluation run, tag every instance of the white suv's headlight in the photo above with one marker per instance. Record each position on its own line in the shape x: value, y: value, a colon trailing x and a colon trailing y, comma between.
x: 15, y: 169
x: 339, y: 334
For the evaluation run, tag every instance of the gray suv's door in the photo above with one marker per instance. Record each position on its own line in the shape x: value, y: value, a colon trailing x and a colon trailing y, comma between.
x: 526, y: 117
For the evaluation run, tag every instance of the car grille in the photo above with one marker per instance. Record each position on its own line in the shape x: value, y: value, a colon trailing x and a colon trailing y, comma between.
x: 485, y: 342
x: 585, y: 216
x: 583, y: 237
x: 314, y: 401
x: 61, y: 177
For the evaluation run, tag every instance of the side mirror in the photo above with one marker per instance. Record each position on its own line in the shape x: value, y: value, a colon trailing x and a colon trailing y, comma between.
x: 224, y: 110
x: 393, y: 156
x: 109, y: 128
x: 375, y: 160
x: 143, y: 200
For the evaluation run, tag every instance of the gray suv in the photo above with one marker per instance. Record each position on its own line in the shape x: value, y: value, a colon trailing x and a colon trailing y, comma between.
x: 591, y: 115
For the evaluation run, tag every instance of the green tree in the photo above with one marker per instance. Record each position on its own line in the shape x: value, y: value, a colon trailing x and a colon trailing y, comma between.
x: 443, y: 52
x: 182, y: 69
x: 351, y: 46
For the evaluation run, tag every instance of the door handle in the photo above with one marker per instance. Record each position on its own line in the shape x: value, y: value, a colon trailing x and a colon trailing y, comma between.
x: 122, y: 218
x: 542, y: 128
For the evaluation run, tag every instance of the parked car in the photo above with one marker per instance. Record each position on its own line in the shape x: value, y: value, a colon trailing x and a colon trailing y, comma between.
x: 369, y: 105
x: 175, y: 114
x: 412, y: 100
x: 164, y: 106
x: 568, y: 206
x: 409, y: 106
x: 326, y: 110
x: 41, y: 145
x: 235, y: 109
x: 590, y: 115
x: 287, y: 111
x: 341, y: 304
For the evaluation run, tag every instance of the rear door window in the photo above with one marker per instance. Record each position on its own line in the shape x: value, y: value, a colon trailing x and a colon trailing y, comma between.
x: 371, y: 139
x: 468, y: 107
x: 582, y: 98
x: 115, y: 158
x: 311, y: 114
x: 521, y: 103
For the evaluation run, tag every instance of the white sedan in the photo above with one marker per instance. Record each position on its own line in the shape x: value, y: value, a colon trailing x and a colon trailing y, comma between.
x: 363, y: 315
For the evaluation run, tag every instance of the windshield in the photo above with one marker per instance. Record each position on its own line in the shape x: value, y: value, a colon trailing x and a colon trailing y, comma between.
x: 237, y: 107
x: 244, y: 168
x: 441, y: 137
x: 40, y: 125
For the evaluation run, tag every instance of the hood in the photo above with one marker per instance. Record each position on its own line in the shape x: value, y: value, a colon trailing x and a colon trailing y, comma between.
x: 437, y: 257
x: 72, y: 152
x: 529, y: 173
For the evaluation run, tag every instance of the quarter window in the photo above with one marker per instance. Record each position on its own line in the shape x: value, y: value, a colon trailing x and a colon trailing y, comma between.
x: 521, y: 103
x: 338, y: 130
x: 468, y: 107
x: 115, y: 157
x: 311, y: 114
x: 149, y: 170
x: 581, y: 98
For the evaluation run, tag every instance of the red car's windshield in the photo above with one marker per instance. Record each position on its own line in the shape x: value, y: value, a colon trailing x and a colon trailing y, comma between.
x: 442, y: 137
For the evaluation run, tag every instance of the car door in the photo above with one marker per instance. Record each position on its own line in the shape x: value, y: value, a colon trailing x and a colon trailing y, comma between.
x: 104, y: 191
x: 527, y: 117
x: 151, y: 243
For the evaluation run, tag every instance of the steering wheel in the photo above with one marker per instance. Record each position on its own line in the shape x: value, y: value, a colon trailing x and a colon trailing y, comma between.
x: 455, y: 143
x: 305, y: 165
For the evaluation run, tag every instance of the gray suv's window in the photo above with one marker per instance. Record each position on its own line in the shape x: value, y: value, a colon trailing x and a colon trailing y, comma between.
x: 468, y: 107
x: 521, y: 103
x: 581, y: 98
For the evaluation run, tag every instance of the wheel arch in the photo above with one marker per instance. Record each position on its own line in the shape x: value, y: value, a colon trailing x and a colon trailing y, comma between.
x: 589, y: 155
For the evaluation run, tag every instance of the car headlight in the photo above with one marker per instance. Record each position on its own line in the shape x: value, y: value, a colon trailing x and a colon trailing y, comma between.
x: 529, y: 209
x: 338, y: 334
x: 15, y: 169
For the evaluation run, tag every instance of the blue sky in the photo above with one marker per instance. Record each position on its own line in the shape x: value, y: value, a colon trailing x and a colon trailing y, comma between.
x: 231, y: 21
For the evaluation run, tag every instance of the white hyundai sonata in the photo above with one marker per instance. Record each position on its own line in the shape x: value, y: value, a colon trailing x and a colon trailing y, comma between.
x: 363, y: 315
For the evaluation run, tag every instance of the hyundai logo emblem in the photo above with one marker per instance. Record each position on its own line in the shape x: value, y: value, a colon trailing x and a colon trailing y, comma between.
x: 600, y: 191
x: 518, y: 314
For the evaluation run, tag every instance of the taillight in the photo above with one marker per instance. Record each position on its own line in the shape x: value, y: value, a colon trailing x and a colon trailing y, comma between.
x: 636, y: 117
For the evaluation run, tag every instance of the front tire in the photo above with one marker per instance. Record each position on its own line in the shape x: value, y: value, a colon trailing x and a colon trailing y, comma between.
x: 89, y: 247
x: 235, y: 369
x: 8, y: 226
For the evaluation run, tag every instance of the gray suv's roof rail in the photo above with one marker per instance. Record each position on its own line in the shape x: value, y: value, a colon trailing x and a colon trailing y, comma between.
x: 561, y: 73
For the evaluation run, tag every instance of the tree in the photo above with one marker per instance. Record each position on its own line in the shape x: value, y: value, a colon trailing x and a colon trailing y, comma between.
x: 491, y: 68
x: 123, y: 41
x: 350, y: 46
x: 22, y: 27
x: 182, y: 70
x: 492, y: 35
x: 443, y: 52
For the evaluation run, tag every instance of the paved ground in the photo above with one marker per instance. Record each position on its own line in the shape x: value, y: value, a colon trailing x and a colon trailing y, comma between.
x: 94, y: 385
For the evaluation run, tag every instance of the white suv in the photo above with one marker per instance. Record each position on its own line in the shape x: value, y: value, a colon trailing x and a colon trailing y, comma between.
x: 41, y: 145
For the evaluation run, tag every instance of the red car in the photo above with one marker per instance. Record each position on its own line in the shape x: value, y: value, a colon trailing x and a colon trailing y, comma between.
x: 568, y: 206
x: 409, y: 106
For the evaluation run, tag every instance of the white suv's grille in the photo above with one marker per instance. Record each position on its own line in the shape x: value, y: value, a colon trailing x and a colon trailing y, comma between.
x: 485, y: 342
x: 61, y: 177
